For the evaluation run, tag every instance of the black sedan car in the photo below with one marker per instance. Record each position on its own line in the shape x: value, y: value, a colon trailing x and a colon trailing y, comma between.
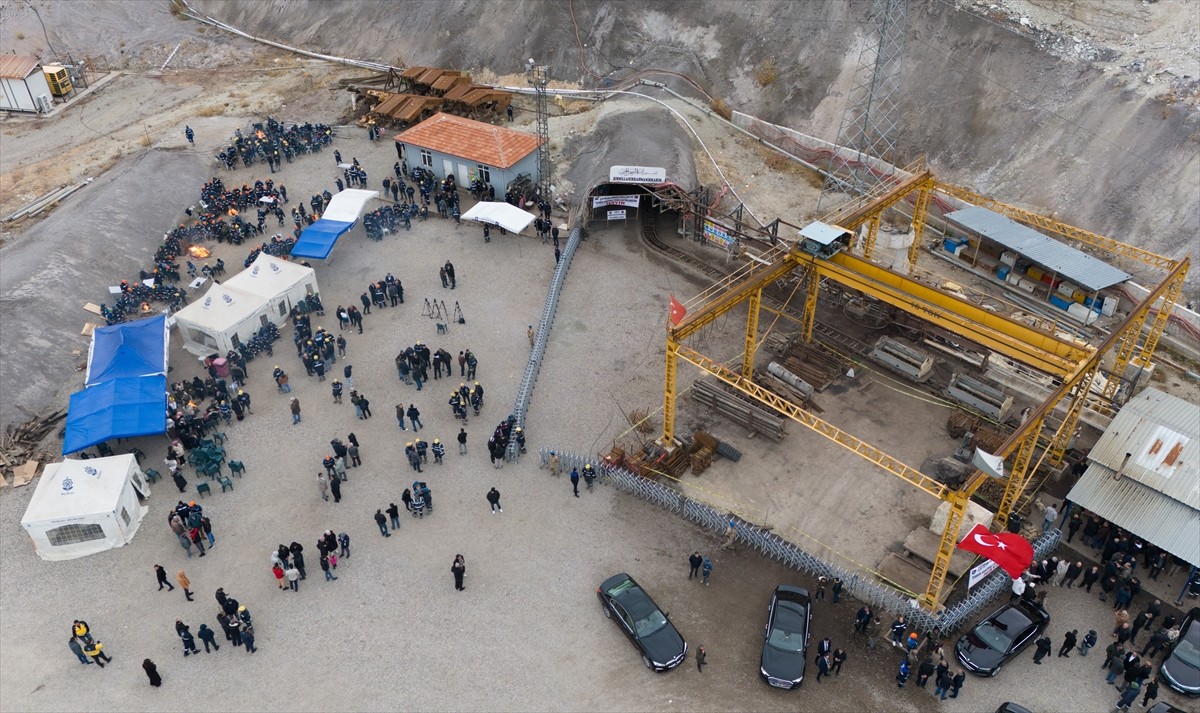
x: 643, y: 622
x: 786, y: 637
x: 1000, y: 637
x: 1181, y: 670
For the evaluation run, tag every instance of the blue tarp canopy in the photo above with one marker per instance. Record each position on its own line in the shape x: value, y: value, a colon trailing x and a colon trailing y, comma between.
x: 131, y: 349
x: 123, y: 407
x: 316, y: 241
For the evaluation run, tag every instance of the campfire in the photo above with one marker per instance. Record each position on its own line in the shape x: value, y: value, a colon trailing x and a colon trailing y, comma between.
x: 199, y: 252
x: 146, y: 307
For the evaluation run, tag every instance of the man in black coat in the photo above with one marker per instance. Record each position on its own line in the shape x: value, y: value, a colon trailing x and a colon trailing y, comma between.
x: 1044, y: 645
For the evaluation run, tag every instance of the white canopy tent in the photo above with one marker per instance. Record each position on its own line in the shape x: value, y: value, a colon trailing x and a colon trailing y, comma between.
x: 281, y: 283
x: 210, y: 324
x: 347, y: 205
x: 82, y: 507
x: 499, y: 213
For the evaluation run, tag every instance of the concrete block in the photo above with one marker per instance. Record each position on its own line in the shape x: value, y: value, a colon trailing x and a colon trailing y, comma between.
x: 975, y: 514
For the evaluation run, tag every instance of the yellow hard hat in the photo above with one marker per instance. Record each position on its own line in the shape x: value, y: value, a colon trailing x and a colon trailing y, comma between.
x: 406, y: 445
x: 436, y: 441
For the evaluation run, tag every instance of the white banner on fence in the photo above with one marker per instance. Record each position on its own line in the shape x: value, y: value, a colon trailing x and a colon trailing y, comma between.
x: 636, y: 174
x: 979, y: 572
x: 616, y: 215
x: 627, y: 201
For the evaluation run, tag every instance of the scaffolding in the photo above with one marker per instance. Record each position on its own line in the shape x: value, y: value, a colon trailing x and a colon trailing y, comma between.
x: 538, y: 77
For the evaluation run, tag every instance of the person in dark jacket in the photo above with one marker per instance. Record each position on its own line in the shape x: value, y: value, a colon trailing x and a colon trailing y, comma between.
x: 924, y: 671
x: 1044, y: 645
x: 208, y: 636
x: 1069, y: 642
x: 152, y: 673
x: 459, y: 569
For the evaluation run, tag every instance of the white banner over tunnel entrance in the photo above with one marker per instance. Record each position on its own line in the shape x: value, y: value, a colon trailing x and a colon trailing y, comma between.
x: 627, y: 201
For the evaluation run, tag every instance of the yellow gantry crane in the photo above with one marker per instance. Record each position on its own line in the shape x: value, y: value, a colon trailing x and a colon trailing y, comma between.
x: 1076, y: 364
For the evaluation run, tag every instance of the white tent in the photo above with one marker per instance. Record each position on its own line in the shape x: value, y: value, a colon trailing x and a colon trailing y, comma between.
x: 281, y: 283
x: 210, y: 324
x: 347, y: 205
x: 499, y: 213
x: 82, y: 507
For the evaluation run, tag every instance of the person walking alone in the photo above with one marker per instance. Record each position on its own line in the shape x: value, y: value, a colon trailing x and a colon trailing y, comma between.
x: 184, y: 583
x: 575, y: 481
x: 459, y: 570
x: 493, y: 497
x: 694, y: 562
x: 161, y: 574
x: 462, y: 441
x: 295, y: 407
x: 701, y: 659
x: 152, y: 673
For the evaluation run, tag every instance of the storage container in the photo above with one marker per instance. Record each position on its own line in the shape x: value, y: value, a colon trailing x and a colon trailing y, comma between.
x: 1059, y: 302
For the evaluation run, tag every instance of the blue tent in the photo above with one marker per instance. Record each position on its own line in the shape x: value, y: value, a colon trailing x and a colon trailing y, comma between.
x: 131, y: 349
x: 316, y: 241
x: 123, y: 407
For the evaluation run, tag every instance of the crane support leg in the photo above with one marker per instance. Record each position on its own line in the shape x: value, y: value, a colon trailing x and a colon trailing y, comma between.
x: 868, y: 248
x: 751, y: 334
x: 1018, y: 476
x: 668, y: 436
x: 941, y: 563
x: 813, y: 287
x: 1169, y: 299
x: 919, y: 217
x: 1062, y: 438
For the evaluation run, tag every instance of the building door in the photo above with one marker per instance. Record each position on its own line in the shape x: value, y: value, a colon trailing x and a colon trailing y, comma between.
x: 464, y: 176
x: 447, y: 167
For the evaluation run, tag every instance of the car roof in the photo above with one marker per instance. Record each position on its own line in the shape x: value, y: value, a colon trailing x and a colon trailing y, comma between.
x: 785, y: 591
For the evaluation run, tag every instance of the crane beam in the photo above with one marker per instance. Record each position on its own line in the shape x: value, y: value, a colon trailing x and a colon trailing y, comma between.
x: 1025, y: 344
x: 737, y: 293
x: 852, y: 215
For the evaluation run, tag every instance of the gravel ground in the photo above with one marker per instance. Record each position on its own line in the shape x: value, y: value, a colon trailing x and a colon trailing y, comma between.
x: 391, y: 632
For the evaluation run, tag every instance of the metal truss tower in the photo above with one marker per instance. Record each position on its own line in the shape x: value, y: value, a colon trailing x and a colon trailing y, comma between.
x: 538, y: 76
x: 870, y: 124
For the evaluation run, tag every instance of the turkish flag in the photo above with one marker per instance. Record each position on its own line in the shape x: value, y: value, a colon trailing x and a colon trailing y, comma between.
x: 1012, y: 552
x: 678, y: 311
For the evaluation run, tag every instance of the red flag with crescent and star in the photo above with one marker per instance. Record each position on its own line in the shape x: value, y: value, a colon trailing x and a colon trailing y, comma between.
x: 1012, y: 552
x: 678, y: 311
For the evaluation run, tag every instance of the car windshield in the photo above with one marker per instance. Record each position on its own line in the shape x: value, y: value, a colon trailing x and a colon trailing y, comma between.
x: 787, y: 641
x: 1187, y: 652
x: 647, y: 619
x: 996, y: 638
x: 652, y: 622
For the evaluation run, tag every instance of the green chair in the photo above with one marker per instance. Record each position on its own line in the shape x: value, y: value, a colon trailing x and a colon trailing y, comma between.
x: 202, y: 489
x: 226, y: 483
x: 210, y: 469
x: 219, y: 437
x: 138, y: 455
x: 152, y: 475
x: 236, y: 468
x: 105, y: 451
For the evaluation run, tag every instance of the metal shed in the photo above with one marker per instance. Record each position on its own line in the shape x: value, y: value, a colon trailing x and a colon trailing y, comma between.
x: 23, y: 86
x: 1070, y: 264
x: 1144, y: 473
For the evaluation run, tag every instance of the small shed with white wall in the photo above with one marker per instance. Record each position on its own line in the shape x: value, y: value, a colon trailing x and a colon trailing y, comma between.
x: 23, y: 86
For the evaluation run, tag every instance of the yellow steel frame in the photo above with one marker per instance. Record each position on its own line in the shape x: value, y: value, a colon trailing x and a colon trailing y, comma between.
x: 1077, y: 364
x: 872, y: 234
x: 1062, y: 438
x: 1046, y: 223
x: 1170, y: 299
x: 920, y: 217
x: 813, y: 278
x: 1169, y: 291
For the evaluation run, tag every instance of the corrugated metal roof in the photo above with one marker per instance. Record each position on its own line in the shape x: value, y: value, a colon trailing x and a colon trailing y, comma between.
x: 1069, y: 263
x: 1161, y: 434
x: 475, y: 141
x: 16, y: 66
x: 1147, y: 513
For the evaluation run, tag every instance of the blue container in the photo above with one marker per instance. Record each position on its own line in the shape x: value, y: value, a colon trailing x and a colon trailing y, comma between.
x: 1059, y: 302
x: 950, y: 245
x: 1002, y: 272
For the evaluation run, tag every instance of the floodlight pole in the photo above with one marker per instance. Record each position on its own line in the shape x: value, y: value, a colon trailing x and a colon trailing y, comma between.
x: 538, y: 77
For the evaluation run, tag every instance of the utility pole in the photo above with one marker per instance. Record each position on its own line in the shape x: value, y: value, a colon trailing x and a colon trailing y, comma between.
x: 870, y: 125
x: 538, y: 76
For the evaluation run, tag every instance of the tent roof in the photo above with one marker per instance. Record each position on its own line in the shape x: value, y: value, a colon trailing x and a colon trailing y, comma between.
x: 221, y: 307
x: 500, y: 213
x: 130, y: 349
x: 476, y: 141
x: 118, y: 408
x: 317, y: 240
x: 79, y: 487
x: 269, y: 276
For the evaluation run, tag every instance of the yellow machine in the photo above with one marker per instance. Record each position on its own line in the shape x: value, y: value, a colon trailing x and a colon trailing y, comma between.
x: 58, y: 79
x: 825, y: 258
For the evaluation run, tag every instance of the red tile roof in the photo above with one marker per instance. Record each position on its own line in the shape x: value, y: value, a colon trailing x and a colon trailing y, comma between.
x: 475, y: 141
x: 17, y: 66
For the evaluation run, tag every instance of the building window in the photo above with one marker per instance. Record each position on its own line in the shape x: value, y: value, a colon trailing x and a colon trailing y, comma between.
x: 426, y: 158
x: 74, y: 534
x: 125, y: 516
x: 483, y: 173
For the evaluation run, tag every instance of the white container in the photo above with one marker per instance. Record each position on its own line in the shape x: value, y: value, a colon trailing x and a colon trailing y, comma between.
x: 1009, y: 258
x: 1066, y: 289
x: 1109, y: 308
x: 1028, y: 285
x: 1013, y: 278
x: 1081, y: 313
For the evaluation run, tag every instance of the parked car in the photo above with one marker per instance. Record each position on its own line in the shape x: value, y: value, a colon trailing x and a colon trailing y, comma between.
x: 785, y: 639
x: 1012, y: 708
x: 1181, y: 670
x: 650, y: 630
x: 987, y: 647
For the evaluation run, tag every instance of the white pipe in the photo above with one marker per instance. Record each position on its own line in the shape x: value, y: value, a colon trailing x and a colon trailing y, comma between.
x: 171, y: 56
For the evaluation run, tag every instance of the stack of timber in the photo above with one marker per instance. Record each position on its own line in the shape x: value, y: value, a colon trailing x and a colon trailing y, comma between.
x: 653, y: 460
x: 705, y: 446
x: 815, y: 363
x: 738, y: 408
x: 23, y: 442
x: 988, y: 436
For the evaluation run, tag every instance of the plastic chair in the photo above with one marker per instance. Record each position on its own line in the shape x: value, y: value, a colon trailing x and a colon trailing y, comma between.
x: 212, y: 470
x: 202, y: 489
x: 137, y: 455
x: 236, y: 468
x: 226, y: 483
x: 152, y: 475
x: 218, y: 437
x: 105, y: 451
